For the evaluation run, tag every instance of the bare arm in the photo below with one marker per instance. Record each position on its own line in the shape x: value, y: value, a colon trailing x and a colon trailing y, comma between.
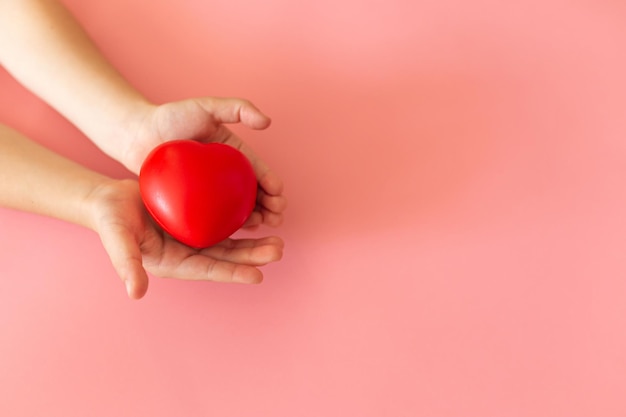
x: 44, y: 48
x: 47, y: 50
x: 37, y: 180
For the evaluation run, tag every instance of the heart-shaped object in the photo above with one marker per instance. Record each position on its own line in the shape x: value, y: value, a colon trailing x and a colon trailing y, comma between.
x: 198, y: 193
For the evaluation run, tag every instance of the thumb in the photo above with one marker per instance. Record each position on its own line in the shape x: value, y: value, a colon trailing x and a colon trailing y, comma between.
x: 125, y: 255
x: 235, y: 110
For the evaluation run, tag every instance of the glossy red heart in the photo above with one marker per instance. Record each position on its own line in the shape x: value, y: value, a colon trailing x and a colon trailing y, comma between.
x: 198, y: 193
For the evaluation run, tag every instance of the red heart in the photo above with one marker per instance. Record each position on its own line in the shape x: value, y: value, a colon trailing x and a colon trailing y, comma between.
x: 198, y: 193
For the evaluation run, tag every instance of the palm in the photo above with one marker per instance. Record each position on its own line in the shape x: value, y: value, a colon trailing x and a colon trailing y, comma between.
x: 203, y: 120
x: 133, y: 243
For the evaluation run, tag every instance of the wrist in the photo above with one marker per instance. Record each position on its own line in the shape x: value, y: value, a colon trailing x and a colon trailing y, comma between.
x: 97, y: 200
x: 121, y: 136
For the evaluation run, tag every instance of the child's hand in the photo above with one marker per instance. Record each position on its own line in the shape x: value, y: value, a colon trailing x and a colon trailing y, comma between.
x: 37, y: 41
x: 133, y: 243
x: 203, y: 119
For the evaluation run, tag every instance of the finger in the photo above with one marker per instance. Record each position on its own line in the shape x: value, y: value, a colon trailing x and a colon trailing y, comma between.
x: 262, y: 216
x: 269, y: 183
x: 125, y: 256
x: 261, y: 170
x: 273, y: 203
x: 205, y: 268
x: 251, y: 227
x: 251, y: 243
x: 235, y: 110
x: 248, y: 252
x: 268, y: 180
x: 269, y: 218
x: 181, y: 262
x: 267, y: 206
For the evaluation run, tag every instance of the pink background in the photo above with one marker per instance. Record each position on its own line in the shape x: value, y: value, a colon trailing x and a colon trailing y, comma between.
x: 456, y: 233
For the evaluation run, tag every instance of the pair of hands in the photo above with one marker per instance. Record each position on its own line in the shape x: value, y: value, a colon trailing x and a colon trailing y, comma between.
x: 47, y: 50
x: 136, y: 245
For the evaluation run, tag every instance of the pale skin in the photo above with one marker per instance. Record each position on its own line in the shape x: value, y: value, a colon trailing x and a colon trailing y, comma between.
x: 45, y: 49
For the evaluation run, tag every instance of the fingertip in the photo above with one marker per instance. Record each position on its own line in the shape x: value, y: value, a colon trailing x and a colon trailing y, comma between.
x: 271, y: 183
x: 253, y: 221
x: 272, y: 219
x: 273, y: 203
x: 281, y: 247
x: 274, y: 241
x: 262, y: 122
x: 129, y: 288
x: 247, y: 275
x: 251, y: 227
x: 282, y: 204
x: 137, y: 286
x: 266, y: 254
x: 254, y: 118
x: 136, y: 293
x: 279, y: 253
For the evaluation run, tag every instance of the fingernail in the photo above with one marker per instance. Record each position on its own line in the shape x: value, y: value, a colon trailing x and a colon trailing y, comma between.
x: 129, y: 288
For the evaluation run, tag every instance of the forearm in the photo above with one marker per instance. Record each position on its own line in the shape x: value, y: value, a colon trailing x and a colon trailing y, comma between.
x: 34, y: 179
x: 46, y: 50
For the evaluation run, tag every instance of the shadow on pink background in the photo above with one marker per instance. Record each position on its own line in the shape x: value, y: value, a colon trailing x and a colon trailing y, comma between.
x: 455, y: 236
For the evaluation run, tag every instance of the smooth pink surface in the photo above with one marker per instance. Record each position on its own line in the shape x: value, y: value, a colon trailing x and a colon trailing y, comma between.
x: 455, y: 238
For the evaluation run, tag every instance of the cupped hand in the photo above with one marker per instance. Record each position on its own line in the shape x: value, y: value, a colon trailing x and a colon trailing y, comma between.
x: 136, y: 246
x: 204, y: 119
